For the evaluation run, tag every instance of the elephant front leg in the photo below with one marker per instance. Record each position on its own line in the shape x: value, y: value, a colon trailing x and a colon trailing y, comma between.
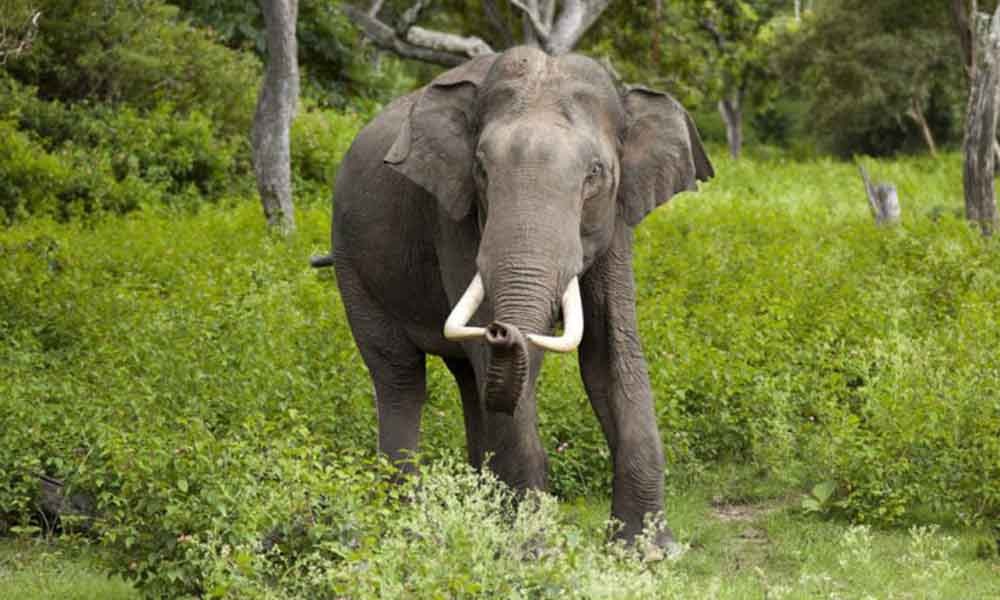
x: 617, y: 383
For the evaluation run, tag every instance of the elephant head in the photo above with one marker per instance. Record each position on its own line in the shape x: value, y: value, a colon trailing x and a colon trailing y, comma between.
x: 546, y: 154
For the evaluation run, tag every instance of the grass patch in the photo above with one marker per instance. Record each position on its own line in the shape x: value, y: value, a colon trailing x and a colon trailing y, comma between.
x: 38, y: 570
x: 769, y: 548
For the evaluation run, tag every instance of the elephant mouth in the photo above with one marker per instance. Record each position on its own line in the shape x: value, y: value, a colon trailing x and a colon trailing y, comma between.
x: 457, y: 329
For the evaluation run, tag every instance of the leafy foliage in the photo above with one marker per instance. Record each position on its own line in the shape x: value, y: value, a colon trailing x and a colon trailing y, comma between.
x: 138, y: 53
x: 338, y: 66
x: 863, y: 66
x: 69, y: 160
x: 199, y: 380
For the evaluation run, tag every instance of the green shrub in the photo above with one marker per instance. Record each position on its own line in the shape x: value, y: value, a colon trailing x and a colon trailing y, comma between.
x: 199, y: 380
x: 65, y: 160
x: 137, y: 53
x: 70, y: 182
x: 360, y: 538
x: 320, y: 138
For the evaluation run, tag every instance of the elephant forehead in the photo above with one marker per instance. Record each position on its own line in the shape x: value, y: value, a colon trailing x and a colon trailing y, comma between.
x: 570, y: 88
x: 519, y: 63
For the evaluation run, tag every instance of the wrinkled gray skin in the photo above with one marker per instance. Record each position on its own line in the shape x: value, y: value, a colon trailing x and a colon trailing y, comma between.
x: 531, y: 170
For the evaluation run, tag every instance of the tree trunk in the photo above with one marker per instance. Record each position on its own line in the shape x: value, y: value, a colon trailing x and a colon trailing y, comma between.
x: 963, y: 14
x: 732, y: 114
x: 980, y: 135
x: 276, y: 105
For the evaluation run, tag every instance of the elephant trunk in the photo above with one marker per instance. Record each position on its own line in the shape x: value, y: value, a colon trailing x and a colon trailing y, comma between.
x: 508, y: 368
x: 525, y: 308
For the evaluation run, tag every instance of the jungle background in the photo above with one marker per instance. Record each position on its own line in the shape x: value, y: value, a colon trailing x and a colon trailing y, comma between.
x: 183, y: 412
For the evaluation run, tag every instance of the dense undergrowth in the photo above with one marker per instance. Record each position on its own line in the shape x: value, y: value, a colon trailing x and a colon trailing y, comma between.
x: 198, y: 379
x: 121, y: 105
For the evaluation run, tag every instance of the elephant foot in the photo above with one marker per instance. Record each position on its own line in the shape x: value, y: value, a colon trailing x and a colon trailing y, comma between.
x: 662, y: 546
x: 653, y: 543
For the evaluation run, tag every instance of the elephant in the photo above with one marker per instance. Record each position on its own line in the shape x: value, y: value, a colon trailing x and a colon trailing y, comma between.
x: 474, y: 215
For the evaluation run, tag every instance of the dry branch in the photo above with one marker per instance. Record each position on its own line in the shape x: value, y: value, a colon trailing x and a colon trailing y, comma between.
x: 556, y: 34
x: 425, y: 45
x: 533, y: 15
x: 14, y: 43
x: 576, y: 17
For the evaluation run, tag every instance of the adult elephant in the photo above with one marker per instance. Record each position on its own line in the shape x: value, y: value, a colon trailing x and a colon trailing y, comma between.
x: 504, y: 194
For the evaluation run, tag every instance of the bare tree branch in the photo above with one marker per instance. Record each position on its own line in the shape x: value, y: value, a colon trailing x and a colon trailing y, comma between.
x: 547, y: 11
x: 574, y: 20
x: 533, y: 16
x: 14, y: 43
x: 543, y: 28
x: 410, y: 16
x: 420, y: 44
x: 471, y: 46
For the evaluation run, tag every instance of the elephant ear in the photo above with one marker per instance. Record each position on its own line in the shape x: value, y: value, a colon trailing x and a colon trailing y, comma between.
x: 435, y: 146
x: 662, y: 153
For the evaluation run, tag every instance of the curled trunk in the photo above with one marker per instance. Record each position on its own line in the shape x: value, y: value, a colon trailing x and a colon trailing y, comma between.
x: 507, y: 374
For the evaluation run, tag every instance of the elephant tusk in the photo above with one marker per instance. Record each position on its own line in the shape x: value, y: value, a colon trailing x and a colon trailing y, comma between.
x: 455, y: 328
x: 572, y: 307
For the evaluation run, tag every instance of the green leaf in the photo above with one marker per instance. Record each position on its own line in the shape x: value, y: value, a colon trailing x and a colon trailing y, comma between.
x: 824, y: 491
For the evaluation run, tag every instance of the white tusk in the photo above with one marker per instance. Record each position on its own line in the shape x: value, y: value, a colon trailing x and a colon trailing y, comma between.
x: 455, y: 328
x: 572, y: 308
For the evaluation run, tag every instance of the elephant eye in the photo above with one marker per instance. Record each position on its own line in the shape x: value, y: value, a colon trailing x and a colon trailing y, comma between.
x: 480, y: 170
x: 592, y: 184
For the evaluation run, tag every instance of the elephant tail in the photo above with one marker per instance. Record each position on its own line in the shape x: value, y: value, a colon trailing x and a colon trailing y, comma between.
x: 319, y: 262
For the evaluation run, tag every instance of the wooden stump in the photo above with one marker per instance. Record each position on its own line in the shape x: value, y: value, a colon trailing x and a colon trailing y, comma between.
x: 882, y: 199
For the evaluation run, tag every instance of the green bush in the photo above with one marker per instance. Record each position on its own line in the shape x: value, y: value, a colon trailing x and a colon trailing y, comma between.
x: 70, y: 161
x: 199, y: 380
x: 137, y: 53
x: 320, y: 138
x: 67, y: 160
x: 67, y: 183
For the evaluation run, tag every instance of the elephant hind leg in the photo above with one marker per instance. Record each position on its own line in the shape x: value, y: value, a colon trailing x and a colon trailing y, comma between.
x: 400, y: 393
x: 397, y: 368
x: 472, y: 408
